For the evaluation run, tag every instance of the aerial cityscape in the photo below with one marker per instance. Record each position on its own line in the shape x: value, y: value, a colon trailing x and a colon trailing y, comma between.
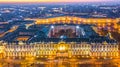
x: 59, y: 33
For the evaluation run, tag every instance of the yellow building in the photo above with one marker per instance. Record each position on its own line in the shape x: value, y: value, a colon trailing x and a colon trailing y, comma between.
x: 75, y: 20
x: 53, y: 50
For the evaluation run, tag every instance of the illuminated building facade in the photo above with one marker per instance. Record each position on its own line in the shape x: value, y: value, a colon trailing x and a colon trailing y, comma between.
x: 44, y: 43
x: 53, y: 50
x: 110, y: 23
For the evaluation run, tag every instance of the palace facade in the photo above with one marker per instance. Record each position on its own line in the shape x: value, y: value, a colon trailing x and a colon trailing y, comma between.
x: 62, y: 49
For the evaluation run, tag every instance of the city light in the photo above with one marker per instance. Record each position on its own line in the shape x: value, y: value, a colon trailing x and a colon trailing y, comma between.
x: 77, y: 27
x: 59, y: 33
x: 62, y: 48
x: 52, y: 26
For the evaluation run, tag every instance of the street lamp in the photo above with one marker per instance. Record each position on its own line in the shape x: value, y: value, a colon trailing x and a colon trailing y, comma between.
x: 77, y: 27
x: 52, y: 30
x: 52, y: 26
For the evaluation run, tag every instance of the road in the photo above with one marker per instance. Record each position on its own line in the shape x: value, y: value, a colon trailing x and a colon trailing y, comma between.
x: 61, y: 63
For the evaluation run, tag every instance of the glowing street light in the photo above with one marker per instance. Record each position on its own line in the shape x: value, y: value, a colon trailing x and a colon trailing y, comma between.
x: 77, y: 27
x: 52, y: 26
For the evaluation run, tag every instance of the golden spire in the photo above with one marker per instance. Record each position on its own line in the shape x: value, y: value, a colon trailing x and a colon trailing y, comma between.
x: 105, y: 43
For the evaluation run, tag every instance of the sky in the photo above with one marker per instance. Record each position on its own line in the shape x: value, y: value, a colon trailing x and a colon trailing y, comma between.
x: 23, y: 1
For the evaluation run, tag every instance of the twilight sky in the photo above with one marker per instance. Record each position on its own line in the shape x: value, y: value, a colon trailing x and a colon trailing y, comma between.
x: 7, y: 1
